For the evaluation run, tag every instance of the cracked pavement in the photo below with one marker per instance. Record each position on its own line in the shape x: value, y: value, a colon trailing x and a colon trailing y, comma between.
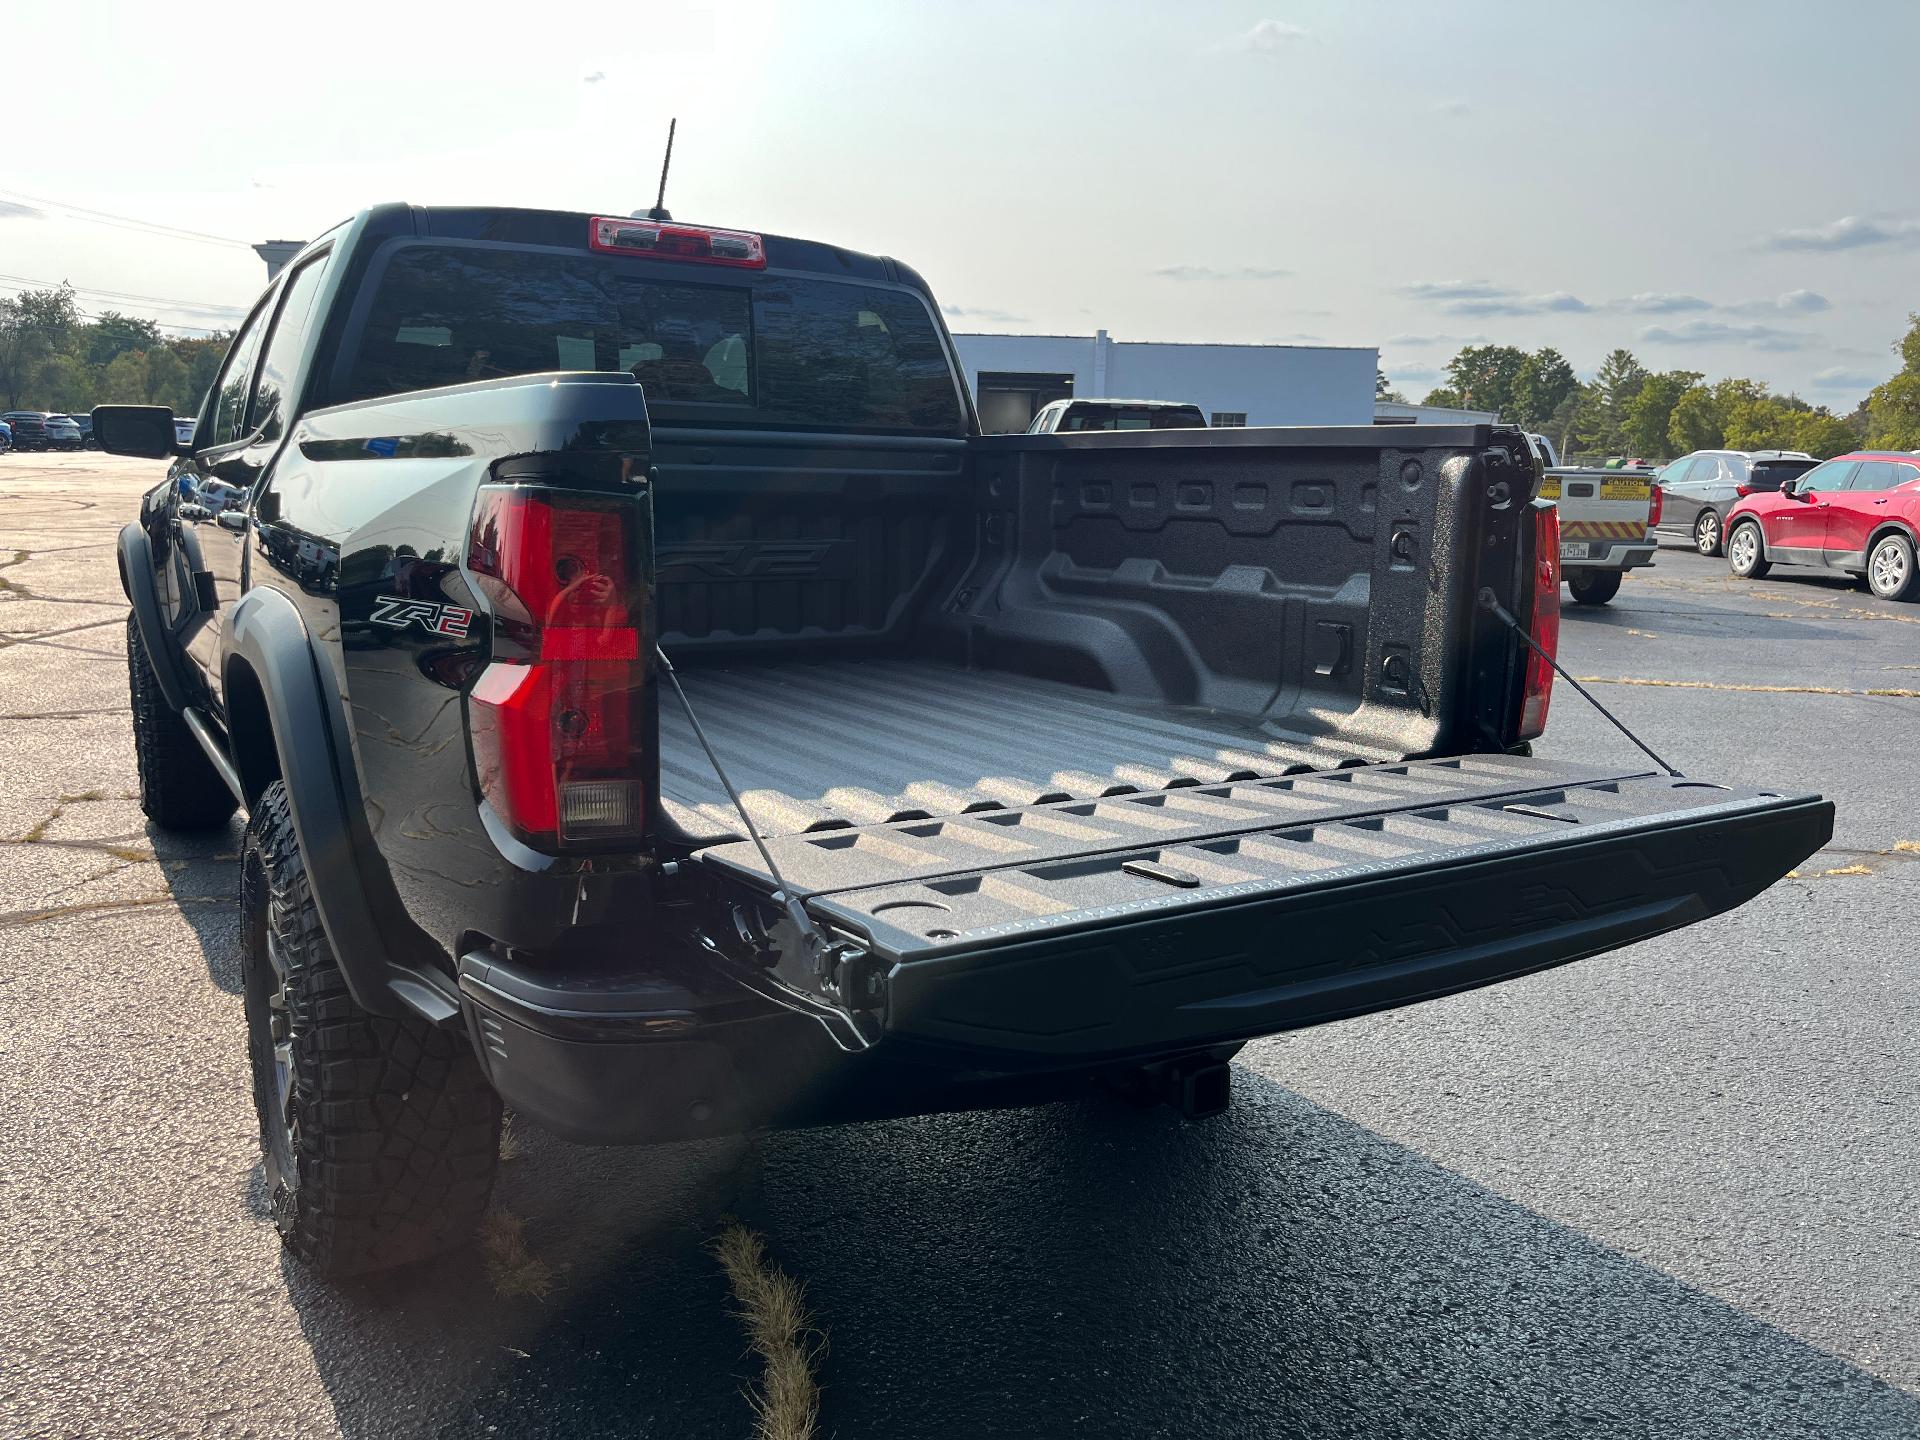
x: 1667, y: 1191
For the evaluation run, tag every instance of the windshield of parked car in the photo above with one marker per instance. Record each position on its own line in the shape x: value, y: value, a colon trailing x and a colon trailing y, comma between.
x: 762, y: 348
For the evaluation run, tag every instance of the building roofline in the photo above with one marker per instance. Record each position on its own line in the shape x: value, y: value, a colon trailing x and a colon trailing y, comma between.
x: 1186, y: 344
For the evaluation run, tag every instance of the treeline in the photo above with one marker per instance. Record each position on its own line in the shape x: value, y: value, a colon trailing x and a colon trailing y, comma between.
x: 54, y: 358
x: 1631, y: 410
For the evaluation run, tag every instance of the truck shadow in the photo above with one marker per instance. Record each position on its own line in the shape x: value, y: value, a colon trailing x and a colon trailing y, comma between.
x: 202, y: 873
x: 1076, y: 1269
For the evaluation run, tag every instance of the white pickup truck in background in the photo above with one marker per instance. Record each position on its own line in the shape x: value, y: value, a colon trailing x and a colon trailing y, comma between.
x: 1606, y: 526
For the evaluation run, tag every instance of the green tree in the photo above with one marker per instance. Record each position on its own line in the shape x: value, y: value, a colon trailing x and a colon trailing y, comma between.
x: 1760, y: 423
x: 166, y: 379
x: 1541, y: 383
x: 1893, y: 409
x: 64, y: 382
x: 1650, y: 412
x: 1618, y: 381
x: 124, y: 381
x: 1384, y: 391
x: 1483, y: 376
x: 1446, y: 396
x: 1823, y: 436
x: 34, y: 325
x: 1695, y: 422
x: 114, y: 334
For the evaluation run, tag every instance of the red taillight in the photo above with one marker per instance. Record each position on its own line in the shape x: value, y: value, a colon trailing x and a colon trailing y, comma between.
x: 667, y: 241
x: 1743, y: 491
x: 1656, y: 497
x: 558, y: 717
x: 1545, y: 623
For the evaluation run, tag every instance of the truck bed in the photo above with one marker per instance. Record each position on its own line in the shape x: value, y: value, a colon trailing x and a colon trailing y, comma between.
x: 828, y: 745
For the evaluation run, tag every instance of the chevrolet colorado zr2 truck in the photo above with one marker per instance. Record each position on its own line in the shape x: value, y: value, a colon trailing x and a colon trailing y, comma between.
x: 657, y: 708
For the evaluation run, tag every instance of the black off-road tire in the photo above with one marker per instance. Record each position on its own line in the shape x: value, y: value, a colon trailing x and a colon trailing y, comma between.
x: 380, y: 1136
x: 1746, y: 552
x: 1594, y: 587
x: 179, y: 788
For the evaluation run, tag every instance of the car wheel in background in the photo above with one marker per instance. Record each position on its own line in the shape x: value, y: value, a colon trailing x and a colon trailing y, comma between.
x: 1745, y: 557
x: 1594, y: 587
x: 1891, y: 573
x: 1706, y: 533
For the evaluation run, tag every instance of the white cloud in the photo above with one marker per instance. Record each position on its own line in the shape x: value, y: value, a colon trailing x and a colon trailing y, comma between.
x: 985, y: 313
x: 1659, y: 302
x: 593, y: 77
x: 1839, y: 377
x: 1719, y: 332
x: 1849, y: 232
x: 1270, y: 37
x: 1208, y: 272
x: 12, y: 210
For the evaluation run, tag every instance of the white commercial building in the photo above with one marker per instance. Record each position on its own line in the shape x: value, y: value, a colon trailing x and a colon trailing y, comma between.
x: 1012, y: 376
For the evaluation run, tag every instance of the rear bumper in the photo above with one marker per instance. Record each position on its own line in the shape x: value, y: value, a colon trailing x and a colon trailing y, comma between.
x: 1617, y: 557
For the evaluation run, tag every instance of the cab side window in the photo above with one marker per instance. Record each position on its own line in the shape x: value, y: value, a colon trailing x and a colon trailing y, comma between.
x: 235, y: 385
x: 1833, y: 475
x: 1880, y: 475
x: 272, y: 400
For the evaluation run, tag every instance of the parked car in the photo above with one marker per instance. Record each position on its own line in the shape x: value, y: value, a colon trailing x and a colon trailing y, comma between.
x: 1702, y: 487
x: 1858, y: 513
x: 84, y: 419
x: 1025, y: 762
x: 62, y: 433
x: 6, y: 437
x: 1606, y: 527
x: 1070, y: 416
x: 29, y: 428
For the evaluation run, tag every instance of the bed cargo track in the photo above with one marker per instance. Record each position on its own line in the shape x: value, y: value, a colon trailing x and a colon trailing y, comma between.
x: 1073, y: 931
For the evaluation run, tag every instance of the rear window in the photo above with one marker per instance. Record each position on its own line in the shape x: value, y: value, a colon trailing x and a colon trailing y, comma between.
x: 1131, y: 417
x: 768, y: 349
x: 1772, y: 474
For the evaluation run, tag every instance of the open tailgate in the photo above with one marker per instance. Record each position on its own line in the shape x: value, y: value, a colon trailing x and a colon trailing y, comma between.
x: 1078, y: 932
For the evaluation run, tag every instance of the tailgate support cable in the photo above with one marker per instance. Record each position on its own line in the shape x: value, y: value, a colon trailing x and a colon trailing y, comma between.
x: 1490, y: 602
x: 809, y: 933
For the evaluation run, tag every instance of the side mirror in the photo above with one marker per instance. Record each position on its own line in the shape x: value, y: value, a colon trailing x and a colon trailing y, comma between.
x: 144, y: 430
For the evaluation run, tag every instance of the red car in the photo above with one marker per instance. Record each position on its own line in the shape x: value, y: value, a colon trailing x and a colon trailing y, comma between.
x: 1858, y: 513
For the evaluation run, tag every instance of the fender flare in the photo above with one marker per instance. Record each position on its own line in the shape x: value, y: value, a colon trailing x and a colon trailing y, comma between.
x: 1892, y: 526
x: 390, y: 965
x: 136, y: 578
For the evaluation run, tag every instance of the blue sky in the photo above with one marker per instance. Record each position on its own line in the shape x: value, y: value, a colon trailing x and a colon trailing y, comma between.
x: 1725, y: 187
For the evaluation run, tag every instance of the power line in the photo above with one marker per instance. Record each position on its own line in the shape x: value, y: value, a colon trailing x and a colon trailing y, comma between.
x: 125, y: 222
x: 15, y: 282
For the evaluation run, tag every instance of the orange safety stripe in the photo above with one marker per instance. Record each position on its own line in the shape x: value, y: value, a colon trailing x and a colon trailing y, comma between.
x: 1603, y: 529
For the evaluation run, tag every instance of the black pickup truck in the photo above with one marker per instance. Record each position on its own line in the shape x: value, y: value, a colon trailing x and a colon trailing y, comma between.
x: 656, y: 705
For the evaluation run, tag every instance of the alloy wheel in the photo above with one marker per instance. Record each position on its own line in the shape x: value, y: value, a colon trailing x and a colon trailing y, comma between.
x: 1706, y: 534
x: 1888, y: 568
x: 1743, y: 548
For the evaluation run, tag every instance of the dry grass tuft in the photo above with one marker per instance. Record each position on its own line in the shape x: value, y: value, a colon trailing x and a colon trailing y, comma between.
x: 516, y: 1272
x: 511, y: 1148
x: 773, y: 1308
x: 1849, y: 870
x: 1748, y: 689
x: 84, y: 795
x: 1909, y: 847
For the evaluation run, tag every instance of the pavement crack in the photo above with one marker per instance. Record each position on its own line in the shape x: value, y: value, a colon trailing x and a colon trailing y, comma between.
x: 14, y: 919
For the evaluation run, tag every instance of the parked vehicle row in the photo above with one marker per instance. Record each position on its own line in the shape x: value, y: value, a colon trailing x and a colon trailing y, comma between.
x: 1702, y: 487
x: 1858, y: 514
x: 45, y: 430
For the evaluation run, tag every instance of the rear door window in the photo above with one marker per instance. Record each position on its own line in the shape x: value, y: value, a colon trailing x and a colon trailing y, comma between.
x: 271, y: 398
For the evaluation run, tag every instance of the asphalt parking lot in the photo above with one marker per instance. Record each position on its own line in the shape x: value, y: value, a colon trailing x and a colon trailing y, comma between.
x: 1669, y: 1191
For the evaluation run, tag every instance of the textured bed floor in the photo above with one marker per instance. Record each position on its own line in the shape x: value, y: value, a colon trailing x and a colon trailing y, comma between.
x: 816, y: 746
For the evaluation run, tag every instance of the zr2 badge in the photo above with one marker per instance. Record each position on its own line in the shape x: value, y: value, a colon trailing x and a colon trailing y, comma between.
x: 440, y: 619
